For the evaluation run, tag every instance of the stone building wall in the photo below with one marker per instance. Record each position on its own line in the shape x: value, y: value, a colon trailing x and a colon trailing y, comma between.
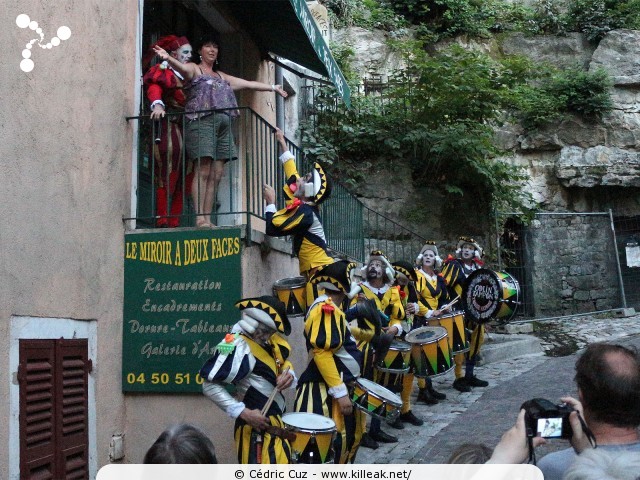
x: 573, y: 267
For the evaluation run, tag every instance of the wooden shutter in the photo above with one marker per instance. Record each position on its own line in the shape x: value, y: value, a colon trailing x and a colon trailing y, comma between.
x: 72, y: 408
x: 37, y: 397
x: 53, y: 376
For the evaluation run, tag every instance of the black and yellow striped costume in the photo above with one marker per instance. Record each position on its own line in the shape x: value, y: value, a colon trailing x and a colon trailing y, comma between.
x: 334, y: 363
x: 302, y: 221
x: 455, y: 273
x: 253, y: 369
x: 432, y: 295
x: 387, y: 300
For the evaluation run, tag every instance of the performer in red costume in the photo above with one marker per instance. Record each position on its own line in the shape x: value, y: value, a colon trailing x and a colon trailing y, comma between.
x: 164, y: 90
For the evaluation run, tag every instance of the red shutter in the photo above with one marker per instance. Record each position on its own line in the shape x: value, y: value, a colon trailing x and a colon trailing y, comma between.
x: 53, y: 376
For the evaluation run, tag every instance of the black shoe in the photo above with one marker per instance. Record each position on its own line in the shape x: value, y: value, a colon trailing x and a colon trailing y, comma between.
x: 476, y: 382
x: 383, y: 437
x: 397, y: 423
x: 368, y: 442
x: 425, y: 397
x: 435, y: 394
x: 409, y: 417
x: 461, y: 385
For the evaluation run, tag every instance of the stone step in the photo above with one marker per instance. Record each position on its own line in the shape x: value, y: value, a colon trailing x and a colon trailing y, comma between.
x: 499, y: 347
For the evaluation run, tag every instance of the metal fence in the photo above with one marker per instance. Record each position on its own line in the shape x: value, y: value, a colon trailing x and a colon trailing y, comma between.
x: 380, y: 93
x: 352, y: 229
x: 627, y: 230
x: 569, y: 263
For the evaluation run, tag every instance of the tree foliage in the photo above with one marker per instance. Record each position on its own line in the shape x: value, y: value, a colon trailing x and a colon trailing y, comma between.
x: 441, y: 113
x: 438, y: 19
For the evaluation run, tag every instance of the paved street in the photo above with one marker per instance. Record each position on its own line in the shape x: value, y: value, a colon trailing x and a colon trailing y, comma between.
x: 484, y: 414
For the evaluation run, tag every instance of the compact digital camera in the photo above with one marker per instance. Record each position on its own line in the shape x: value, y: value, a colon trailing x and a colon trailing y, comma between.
x: 546, y: 419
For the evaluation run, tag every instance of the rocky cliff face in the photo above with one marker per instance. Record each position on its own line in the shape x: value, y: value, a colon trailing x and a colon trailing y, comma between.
x: 575, y: 165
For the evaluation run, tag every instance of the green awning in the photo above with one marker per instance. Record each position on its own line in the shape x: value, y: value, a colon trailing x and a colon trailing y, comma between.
x: 287, y: 29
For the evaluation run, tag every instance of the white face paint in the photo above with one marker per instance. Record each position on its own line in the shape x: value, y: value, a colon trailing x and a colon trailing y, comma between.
x: 374, y: 270
x: 428, y: 259
x: 183, y: 54
x: 468, y: 251
x: 300, y: 183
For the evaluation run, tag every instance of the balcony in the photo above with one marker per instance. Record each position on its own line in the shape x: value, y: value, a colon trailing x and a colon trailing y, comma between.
x: 352, y: 229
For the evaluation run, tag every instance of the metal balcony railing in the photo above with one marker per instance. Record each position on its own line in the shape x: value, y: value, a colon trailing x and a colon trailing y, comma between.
x: 352, y: 229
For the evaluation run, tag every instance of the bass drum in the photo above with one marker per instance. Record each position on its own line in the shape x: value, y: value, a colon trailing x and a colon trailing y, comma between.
x: 489, y: 295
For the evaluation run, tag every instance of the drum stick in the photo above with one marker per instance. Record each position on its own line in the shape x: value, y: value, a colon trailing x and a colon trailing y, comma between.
x: 272, y: 397
x: 451, y: 303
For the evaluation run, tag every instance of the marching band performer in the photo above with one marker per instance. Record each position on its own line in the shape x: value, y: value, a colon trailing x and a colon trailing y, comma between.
x: 407, y: 278
x: 377, y: 288
x: 301, y: 217
x: 254, y: 359
x: 334, y: 361
x: 455, y: 272
x: 433, y: 293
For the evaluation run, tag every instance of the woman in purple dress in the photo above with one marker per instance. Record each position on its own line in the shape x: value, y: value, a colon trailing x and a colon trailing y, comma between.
x: 208, y: 88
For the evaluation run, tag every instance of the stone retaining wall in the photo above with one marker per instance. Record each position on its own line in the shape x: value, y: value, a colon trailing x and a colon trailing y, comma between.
x: 573, y: 265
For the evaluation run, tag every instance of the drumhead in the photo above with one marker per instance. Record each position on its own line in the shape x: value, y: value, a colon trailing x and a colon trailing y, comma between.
x: 424, y: 335
x: 482, y: 295
x: 289, y: 283
x: 454, y: 313
x: 308, y: 421
x: 379, y: 390
x: 400, y: 346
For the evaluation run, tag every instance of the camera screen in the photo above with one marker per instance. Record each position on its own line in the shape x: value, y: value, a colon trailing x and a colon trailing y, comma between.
x: 550, y: 427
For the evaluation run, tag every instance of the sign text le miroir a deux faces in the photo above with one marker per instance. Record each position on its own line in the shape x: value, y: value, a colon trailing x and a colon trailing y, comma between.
x: 179, y: 293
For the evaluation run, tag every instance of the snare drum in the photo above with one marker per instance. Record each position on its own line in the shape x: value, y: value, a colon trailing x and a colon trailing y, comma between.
x: 430, y: 352
x: 291, y: 291
x: 375, y: 400
x: 388, y: 371
x: 397, y: 358
x: 454, y: 324
x: 488, y: 295
x: 314, y: 437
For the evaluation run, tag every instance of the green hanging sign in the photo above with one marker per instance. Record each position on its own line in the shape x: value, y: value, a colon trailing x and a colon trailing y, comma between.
x: 179, y: 293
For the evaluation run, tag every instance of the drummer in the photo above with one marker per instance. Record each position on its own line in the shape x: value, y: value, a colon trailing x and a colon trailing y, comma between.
x: 300, y: 218
x: 254, y: 359
x: 334, y: 361
x: 377, y: 287
x: 433, y: 296
x: 455, y: 272
x: 407, y: 278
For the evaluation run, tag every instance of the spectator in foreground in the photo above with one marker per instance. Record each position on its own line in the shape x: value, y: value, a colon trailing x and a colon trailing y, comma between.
x: 180, y: 444
x: 608, y: 379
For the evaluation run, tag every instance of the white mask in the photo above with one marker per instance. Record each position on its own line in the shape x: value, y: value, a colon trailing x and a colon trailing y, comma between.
x: 183, y: 54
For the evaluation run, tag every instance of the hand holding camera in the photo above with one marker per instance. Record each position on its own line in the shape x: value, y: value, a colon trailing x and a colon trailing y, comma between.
x: 514, y: 444
x: 582, y: 437
x: 546, y: 419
